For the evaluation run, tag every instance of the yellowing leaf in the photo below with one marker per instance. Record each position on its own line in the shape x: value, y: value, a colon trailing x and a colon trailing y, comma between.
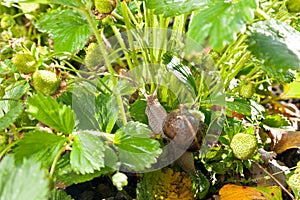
x: 285, y: 140
x: 232, y: 192
x: 291, y: 90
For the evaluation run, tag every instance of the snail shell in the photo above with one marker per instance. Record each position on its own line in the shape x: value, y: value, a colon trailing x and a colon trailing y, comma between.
x: 185, y: 129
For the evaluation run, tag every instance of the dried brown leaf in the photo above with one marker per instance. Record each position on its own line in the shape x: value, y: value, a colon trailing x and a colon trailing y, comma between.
x: 284, y: 140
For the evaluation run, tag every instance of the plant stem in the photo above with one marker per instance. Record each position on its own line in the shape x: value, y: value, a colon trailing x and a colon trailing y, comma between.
x: 56, y: 160
x: 237, y: 68
x: 7, y: 148
x: 129, y: 14
x: 93, y: 25
x: 123, y: 46
x: 129, y: 33
x: 10, y: 99
x: 252, y: 72
x: 275, y: 179
x: 230, y: 52
x: 259, y: 12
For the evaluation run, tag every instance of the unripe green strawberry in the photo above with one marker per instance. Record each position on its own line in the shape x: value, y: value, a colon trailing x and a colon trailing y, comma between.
x: 45, y: 82
x: 105, y: 6
x: 93, y: 55
x: 247, y: 90
x: 19, y: 31
x: 294, y: 181
x: 244, y: 146
x: 7, y: 21
x: 293, y: 5
x: 24, y: 62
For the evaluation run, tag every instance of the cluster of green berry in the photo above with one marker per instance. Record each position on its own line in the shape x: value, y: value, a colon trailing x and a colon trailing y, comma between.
x: 44, y: 81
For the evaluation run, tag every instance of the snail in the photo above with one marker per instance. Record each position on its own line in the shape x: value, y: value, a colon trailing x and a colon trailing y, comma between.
x: 185, y: 128
x: 187, y: 131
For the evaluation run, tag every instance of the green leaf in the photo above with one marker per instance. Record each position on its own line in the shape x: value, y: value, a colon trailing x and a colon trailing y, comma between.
x: 40, y: 146
x: 66, y: 175
x: 11, y: 109
x: 69, y: 2
x: 200, y: 185
x: 68, y: 28
x: 61, y: 2
x: 245, y: 107
x: 137, y: 150
x: 59, y: 195
x: 26, y: 1
x: 221, y: 21
x: 276, y: 121
x: 87, y: 153
x: 291, y: 90
x: 84, y: 106
x: 137, y: 111
x: 9, y: 116
x: 25, y: 181
x: 48, y: 111
x: 239, y: 105
x: 107, y: 111
x: 181, y: 70
x: 277, y: 44
x: 173, y: 8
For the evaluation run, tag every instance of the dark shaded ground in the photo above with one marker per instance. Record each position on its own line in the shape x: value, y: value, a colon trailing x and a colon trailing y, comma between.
x: 102, y: 188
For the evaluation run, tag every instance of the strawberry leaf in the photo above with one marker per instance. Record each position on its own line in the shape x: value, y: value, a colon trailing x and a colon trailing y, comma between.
x: 107, y: 111
x: 39, y: 146
x: 137, y: 150
x: 50, y: 112
x: 59, y: 195
x: 174, y: 7
x: 25, y: 181
x: 61, y: 2
x: 277, y: 44
x: 181, y: 70
x: 68, y: 2
x: 245, y: 107
x: 65, y: 174
x: 26, y: 1
x: 137, y: 111
x: 68, y: 28
x: 84, y: 106
x: 11, y: 109
x: 291, y: 90
x: 87, y: 153
x: 9, y: 116
x: 221, y: 21
x: 276, y: 121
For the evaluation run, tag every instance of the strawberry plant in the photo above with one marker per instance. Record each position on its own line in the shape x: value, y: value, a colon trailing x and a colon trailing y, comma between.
x: 145, y: 91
